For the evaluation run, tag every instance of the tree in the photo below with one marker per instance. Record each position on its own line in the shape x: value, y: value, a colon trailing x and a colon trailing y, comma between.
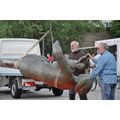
x: 63, y: 30
x: 67, y: 30
x: 115, y: 28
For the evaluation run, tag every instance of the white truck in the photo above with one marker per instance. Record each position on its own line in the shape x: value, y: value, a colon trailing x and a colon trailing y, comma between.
x: 13, y: 49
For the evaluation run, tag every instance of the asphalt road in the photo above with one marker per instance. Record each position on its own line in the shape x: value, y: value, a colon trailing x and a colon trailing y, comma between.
x: 45, y: 94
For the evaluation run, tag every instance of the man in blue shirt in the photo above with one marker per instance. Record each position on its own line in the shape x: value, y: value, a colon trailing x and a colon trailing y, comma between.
x: 106, y: 69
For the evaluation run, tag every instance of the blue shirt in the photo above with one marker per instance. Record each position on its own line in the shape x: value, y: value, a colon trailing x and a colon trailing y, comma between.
x: 106, y: 68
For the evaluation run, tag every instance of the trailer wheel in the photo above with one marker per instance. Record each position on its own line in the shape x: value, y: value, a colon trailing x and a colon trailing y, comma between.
x: 57, y: 92
x: 15, y: 91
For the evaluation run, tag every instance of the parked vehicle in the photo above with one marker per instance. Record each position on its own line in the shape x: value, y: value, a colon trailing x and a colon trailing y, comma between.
x: 13, y: 49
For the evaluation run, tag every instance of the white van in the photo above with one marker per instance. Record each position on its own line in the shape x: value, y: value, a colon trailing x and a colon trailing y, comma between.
x: 13, y: 49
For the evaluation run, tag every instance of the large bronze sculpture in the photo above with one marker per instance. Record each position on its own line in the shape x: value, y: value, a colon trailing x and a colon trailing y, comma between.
x: 57, y: 75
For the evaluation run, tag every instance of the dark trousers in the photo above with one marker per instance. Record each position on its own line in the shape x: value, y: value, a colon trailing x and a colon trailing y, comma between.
x: 72, y: 95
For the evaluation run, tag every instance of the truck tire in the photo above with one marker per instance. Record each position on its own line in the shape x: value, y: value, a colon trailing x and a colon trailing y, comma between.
x: 15, y: 91
x: 57, y: 92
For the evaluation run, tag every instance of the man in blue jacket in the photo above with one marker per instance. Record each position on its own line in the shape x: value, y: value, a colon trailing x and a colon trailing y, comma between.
x: 106, y: 69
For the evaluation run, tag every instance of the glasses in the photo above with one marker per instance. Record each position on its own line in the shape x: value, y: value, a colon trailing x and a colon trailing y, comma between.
x: 98, y: 48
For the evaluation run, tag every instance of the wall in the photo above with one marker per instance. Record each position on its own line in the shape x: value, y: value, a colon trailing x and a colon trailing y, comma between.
x: 90, y: 38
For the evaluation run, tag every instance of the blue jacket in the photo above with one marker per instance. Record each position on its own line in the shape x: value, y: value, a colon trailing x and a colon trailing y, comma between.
x: 106, y: 69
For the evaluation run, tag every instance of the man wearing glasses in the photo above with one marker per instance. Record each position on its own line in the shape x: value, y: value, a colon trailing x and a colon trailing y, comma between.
x: 106, y: 69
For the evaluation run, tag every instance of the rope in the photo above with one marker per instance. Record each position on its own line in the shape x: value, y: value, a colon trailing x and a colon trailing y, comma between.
x: 17, y: 62
x: 52, y: 40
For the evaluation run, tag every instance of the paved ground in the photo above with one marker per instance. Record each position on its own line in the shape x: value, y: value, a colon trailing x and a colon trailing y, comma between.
x: 45, y: 94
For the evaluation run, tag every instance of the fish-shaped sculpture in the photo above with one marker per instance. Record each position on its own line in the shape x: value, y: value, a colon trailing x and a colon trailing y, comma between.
x: 58, y: 74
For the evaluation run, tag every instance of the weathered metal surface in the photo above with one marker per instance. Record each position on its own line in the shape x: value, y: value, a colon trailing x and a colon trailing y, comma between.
x: 31, y: 66
x: 57, y: 75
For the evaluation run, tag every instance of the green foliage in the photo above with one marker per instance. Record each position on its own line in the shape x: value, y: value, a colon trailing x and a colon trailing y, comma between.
x: 63, y: 30
x: 115, y: 28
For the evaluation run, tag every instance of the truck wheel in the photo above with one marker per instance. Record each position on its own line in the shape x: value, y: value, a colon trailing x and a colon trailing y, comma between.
x: 57, y: 92
x: 15, y: 91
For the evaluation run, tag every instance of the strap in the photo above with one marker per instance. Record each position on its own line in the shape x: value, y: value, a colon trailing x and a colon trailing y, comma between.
x: 57, y: 78
x: 17, y: 62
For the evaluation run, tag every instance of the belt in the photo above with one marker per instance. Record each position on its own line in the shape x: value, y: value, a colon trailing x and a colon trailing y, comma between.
x: 111, y: 74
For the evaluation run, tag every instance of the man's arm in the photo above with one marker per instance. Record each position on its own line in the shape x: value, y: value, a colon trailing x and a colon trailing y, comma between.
x: 99, y: 67
x: 83, y: 63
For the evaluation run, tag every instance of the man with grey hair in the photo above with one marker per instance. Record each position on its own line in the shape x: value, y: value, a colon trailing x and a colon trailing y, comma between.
x: 75, y: 55
x: 106, y: 69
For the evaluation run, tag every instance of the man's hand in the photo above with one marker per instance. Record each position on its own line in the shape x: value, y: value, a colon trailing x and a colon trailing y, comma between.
x: 80, y: 65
